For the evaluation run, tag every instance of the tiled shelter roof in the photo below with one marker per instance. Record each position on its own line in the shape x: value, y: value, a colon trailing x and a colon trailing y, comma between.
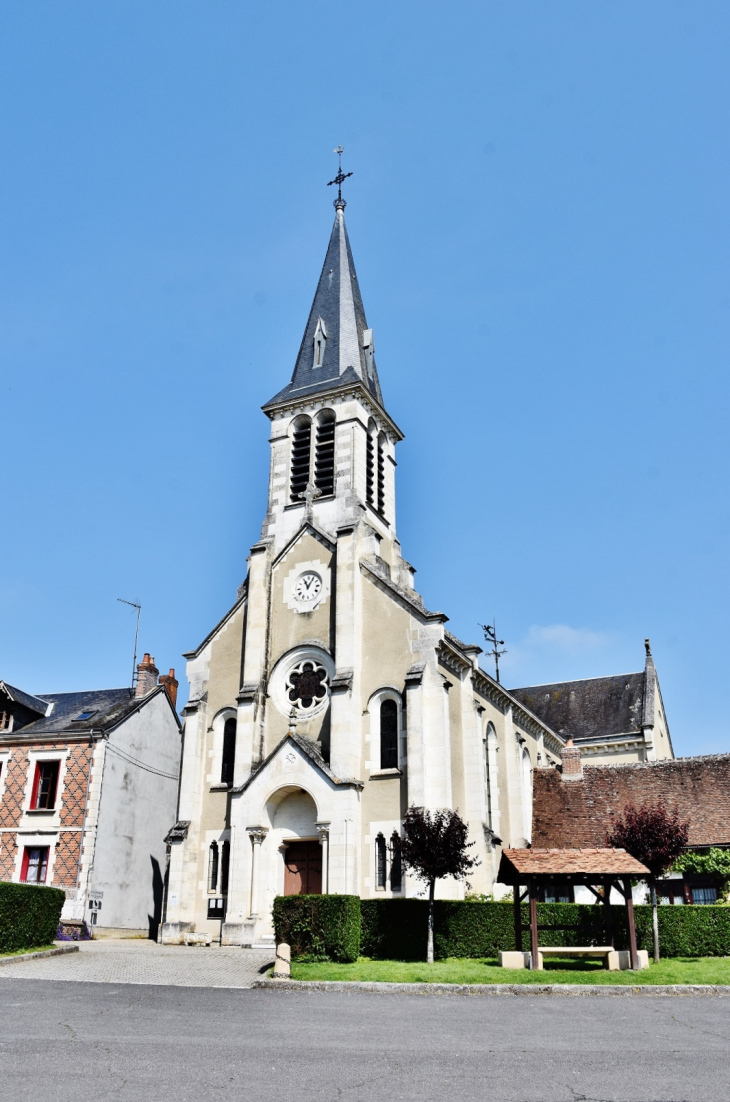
x: 521, y: 863
x: 579, y: 811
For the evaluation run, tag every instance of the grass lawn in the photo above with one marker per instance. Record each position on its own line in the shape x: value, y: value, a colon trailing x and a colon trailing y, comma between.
x: 676, y: 970
x: 19, y: 952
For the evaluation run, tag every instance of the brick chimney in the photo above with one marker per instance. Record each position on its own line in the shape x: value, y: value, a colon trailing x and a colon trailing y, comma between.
x: 572, y: 764
x: 168, y: 680
x: 146, y: 676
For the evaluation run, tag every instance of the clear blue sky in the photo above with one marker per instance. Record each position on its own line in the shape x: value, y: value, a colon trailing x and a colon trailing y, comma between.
x: 539, y: 218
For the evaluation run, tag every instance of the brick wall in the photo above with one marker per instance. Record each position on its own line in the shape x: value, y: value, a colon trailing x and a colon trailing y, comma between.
x: 73, y: 797
x: 580, y: 812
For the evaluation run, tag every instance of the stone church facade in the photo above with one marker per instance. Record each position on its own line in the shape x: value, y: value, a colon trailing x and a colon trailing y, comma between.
x: 329, y: 698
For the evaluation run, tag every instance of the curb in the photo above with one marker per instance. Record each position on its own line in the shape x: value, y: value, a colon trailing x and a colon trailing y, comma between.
x: 59, y: 951
x: 486, y: 989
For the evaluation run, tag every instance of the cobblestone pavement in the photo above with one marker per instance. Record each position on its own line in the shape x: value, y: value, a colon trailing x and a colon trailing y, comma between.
x: 120, y: 961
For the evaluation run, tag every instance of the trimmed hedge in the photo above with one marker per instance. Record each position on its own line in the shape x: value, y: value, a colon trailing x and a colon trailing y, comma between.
x: 29, y: 915
x: 319, y: 927
x: 396, y: 929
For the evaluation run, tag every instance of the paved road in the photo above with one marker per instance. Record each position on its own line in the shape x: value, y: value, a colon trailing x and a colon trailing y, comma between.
x: 145, y: 962
x: 73, y: 1042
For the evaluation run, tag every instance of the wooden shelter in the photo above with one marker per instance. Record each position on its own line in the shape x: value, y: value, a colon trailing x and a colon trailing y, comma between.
x: 538, y: 868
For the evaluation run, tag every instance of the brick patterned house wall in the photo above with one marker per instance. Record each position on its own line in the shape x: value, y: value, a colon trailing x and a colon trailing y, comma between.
x: 580, y: 812
x: 72, y: 797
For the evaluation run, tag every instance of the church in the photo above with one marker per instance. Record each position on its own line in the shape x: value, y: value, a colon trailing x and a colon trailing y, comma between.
x: 329, y: 698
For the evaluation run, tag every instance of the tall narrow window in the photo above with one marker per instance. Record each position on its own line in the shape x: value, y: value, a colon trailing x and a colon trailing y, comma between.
x: 35, y: 865
x: 487, y: 772
x: 320, y: 339
x: 213, y: 867
x: 389, y: 735
x: 381, y: 871
x: 300, y: 455
x: 396, y: 866
x: 370, y: 466
x: 324, y: 458
x: 45, y: 784
x: 527, y: 795
x: 229, y: 751
x: 381, y: 475
x: 225, y: 863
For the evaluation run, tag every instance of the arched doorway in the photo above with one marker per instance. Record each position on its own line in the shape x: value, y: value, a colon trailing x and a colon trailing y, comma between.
x: 294, y: 821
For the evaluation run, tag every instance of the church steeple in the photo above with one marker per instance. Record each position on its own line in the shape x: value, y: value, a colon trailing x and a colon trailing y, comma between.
x: 337, y: 346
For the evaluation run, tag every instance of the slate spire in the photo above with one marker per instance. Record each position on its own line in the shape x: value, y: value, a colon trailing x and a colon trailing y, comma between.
x: 337, y: 347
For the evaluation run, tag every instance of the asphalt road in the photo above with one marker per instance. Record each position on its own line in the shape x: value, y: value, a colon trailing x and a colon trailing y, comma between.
x: 69, y: 1042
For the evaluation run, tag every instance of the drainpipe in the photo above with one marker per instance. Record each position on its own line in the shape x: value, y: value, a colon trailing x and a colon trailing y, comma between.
x: 83, y: 822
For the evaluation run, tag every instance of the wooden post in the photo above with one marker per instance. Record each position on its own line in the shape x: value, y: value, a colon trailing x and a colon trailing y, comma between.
x: 533, y: 925
x: 607, y: 913
x: 518, y: 918
x: 632, y: 925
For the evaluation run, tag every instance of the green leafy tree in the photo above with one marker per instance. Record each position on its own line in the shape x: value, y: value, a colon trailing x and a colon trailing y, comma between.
x: 715, y: 862
x: 655, y: 837
x: 434, y: 845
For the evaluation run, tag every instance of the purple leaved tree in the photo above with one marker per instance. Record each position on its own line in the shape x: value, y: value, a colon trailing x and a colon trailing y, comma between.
x: 435, y: 845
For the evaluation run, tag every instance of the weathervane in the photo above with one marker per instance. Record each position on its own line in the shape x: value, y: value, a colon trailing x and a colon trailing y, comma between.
x: 490, y: 635
x: 341, y: 176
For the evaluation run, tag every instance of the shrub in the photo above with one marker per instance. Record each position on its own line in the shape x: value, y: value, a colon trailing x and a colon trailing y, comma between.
x: 394, y: 929
x: 319, y: 927
x: 29, y: 915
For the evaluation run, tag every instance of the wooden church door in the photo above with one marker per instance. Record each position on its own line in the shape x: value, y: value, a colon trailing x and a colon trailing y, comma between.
x: 303, y: 869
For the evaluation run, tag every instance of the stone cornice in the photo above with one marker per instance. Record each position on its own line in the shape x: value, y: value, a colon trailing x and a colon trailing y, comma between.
x: 336, y: 394
x: 494, y: 692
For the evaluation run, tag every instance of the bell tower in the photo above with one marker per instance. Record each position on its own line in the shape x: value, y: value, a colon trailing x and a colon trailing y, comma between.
x: 332, y: 441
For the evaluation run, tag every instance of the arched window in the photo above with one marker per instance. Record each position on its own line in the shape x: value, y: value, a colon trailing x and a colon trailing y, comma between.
x: 301, y: 447
x: 526, y: 795
x: 324, y: 459
x: 370, y: 465
x: 225, y: 863
x: 381, y: 870
x: 381, y: 474
x: 388, y: 735
x: 396, y: 866
x: 228, y: 759
x: 213, y: 867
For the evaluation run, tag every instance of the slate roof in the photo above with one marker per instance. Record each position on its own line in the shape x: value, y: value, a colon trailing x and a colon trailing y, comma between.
x: 594, y: 708
x: 594, y: 861
x: 580, y: 811
x: 338, y: 303
x: 32, y: 703
x: 108, y: 706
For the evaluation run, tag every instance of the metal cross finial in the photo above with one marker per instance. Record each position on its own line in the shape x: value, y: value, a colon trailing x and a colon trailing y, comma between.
x: 308, y: 497
x: 490, y: 635
x: 341, y: 176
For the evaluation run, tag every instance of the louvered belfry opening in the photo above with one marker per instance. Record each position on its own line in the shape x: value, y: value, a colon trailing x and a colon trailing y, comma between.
x: 300, y: 456
x: 381, y: 475
x: 324, y: 459
x: 370, y: 467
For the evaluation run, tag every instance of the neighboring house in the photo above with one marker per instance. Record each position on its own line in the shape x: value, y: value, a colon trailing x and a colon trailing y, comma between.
x: 329, y: 698
x: 576, y: 805
x: 611, y: 719
x: 88, y: 785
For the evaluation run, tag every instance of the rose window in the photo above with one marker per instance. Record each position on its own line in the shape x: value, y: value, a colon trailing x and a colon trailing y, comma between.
x: 307, y: 684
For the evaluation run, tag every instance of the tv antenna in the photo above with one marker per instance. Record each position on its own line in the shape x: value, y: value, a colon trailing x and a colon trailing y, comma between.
x: 134, y: 604
x: 490, y: 635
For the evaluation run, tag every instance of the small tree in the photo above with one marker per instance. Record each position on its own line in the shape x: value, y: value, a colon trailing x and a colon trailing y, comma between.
x: 656, y: 838
x: 434, y: 845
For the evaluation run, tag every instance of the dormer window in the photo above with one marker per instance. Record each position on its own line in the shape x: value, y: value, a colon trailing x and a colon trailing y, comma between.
x: 369, y: 347
x: 320, y: 340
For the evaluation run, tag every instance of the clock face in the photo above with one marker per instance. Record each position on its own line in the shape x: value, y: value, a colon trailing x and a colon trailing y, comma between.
x: 308, y: 586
